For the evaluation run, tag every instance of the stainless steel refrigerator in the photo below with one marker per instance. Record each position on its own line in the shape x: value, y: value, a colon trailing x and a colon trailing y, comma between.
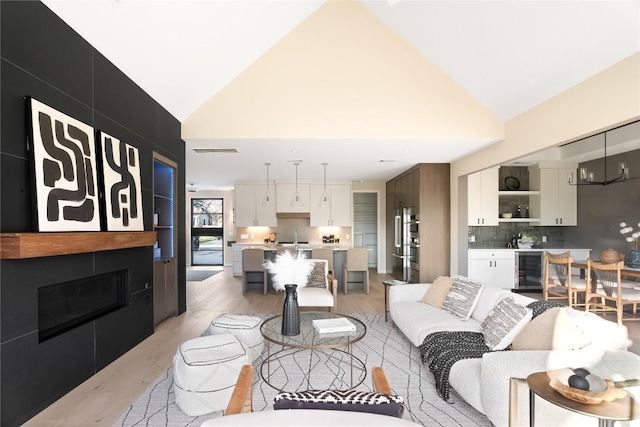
x: 406, y: 248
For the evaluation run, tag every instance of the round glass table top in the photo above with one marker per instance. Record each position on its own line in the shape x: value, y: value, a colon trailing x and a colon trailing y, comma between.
x: 309, y: 337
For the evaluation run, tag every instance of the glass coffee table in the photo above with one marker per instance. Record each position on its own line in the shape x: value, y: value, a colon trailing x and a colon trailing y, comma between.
x: 328, y: 357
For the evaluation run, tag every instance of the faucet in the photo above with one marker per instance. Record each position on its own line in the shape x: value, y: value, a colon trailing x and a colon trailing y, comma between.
x: 295, y: 239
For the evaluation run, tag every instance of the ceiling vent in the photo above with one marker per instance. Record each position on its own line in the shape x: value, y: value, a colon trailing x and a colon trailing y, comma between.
x: 215, y: 150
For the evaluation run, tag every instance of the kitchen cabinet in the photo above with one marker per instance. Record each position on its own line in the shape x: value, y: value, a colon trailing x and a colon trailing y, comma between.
x: 338, y: 214
x: 165, y: 272
x: 482, y: 201
x: 493, y: 267
x: 557, y: 202
x: 430, y: 198
x: 250, y: 208
x: 284, y: 195
x: 165, y: 289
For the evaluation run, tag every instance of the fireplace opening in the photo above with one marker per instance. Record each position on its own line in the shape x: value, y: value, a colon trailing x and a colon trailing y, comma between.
x: 64, y: 306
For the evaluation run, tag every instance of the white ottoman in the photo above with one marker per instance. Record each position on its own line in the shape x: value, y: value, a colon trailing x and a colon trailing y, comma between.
x: 205, y: 371
x: 245, y: 328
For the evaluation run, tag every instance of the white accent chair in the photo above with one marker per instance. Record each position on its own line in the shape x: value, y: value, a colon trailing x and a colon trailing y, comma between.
x: 321, y: 289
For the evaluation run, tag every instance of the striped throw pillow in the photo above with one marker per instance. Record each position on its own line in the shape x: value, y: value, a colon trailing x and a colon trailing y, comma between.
x: 462, y: 297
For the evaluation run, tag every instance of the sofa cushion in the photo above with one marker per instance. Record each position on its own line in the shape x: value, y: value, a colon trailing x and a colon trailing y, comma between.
x: 489, y: 297
x: 341, y: 400
x: 437, y: 293
x: 462, y: 297
x: 503, y: 323
x: 318, y: 276
x: 552, y: 330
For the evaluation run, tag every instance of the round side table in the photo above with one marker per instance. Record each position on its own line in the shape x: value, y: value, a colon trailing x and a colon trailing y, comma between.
x: 623, y: 409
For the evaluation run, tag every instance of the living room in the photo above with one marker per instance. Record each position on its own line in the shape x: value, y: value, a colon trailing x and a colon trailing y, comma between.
x: 86, y: 85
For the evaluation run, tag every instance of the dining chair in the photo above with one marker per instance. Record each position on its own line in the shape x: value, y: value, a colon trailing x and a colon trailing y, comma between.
x: 252, y: 265
x: 357, y: 261
x: 611, y: 288
x: 560, y: 283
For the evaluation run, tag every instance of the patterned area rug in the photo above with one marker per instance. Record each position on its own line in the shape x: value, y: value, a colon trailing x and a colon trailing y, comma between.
x: 382, y: 346
x: 199, y: 275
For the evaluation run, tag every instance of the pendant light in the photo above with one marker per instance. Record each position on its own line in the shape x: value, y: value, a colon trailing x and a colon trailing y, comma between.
x: 325, y: 199
x: 267, y: 200
x: 296, y: 200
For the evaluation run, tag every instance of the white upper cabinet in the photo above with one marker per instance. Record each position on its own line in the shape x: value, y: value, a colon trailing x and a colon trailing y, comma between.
x: 557, y: 203
x: 482, y: 201
x: 250, y: 209
x: 284, y: 197
x: 338, y: 214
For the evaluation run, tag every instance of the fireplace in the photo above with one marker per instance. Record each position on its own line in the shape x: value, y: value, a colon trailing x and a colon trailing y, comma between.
x: 64, y: 306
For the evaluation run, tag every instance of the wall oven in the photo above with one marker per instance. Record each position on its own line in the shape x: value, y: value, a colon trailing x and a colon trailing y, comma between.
x: 529, y: 265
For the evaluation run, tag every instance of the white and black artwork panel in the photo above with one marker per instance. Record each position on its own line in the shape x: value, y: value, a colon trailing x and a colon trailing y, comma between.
x: 122, y: 184
x: 64, y: 166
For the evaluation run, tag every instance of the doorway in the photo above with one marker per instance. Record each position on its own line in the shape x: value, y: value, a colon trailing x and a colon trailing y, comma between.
x: 207, y: 231
x: 365, y: 224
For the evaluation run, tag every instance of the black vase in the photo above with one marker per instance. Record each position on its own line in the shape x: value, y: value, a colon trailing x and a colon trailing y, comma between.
x: 290, y: 312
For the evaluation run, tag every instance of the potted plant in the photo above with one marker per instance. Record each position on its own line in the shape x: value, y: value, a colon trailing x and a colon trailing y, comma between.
x: 527, y: 240
x: 632, y: 259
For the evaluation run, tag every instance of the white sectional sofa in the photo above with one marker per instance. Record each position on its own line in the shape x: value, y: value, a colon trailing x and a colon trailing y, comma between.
x: 484, y: 382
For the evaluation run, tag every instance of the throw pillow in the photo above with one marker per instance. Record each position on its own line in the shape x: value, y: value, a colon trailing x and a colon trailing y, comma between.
x: 438, y: 291
x: 503, y: 323
x: 341, y: 400
x: 539, y: 307
x: 552, y: 330
x: 462, y: 297
x: 318, y: 276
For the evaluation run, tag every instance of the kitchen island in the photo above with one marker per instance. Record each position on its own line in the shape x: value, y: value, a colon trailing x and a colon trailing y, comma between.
x: 270, y: 250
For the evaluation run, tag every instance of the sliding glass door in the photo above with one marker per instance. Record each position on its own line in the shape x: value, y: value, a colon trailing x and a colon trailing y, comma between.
x: 207, y: 232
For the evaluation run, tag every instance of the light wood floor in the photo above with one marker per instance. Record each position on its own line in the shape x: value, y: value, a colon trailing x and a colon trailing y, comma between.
x: 101, y: 400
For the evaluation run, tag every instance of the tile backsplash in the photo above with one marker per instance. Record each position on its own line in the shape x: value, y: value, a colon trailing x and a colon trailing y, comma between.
x: 498, y: 237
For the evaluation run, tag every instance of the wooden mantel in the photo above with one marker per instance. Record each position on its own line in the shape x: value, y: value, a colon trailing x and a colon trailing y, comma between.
x: 35, y: 245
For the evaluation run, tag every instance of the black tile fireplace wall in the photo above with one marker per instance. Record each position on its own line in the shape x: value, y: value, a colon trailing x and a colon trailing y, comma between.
x: 43, y: 57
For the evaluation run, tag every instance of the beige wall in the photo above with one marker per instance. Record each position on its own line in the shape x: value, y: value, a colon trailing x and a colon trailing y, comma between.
x: 342, y: 73
x: 605, y: 100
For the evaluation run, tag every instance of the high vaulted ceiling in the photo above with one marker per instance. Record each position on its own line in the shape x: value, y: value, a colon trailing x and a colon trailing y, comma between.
x: 349, y: 83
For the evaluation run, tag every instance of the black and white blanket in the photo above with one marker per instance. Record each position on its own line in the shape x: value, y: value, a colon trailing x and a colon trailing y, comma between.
x: 440, y: 350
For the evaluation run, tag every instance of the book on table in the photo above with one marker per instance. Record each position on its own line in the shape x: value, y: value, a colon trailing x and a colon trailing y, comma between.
x: 337, y: 324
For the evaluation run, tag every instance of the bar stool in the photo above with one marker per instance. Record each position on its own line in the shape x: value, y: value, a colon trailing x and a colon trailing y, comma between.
x: 357, y: 261
x: 252, y: 260
x: 324, y: 253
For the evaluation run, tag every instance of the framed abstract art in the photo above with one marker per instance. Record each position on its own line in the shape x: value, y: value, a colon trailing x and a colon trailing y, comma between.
x: 63, y: 155
x: 120, y: 165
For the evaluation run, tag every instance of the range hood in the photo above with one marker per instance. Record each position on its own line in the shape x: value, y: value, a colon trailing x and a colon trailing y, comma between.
x: 293, y: 215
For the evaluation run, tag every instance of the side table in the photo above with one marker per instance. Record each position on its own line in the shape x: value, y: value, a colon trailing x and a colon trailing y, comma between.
x: 623, y: 409
x: 386, y: 284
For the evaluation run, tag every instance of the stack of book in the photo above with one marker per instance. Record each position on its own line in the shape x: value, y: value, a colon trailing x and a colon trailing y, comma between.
x: 330, y: 326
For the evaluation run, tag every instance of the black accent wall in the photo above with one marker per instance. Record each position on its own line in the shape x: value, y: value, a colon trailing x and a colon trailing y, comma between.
x: 43, y: 57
